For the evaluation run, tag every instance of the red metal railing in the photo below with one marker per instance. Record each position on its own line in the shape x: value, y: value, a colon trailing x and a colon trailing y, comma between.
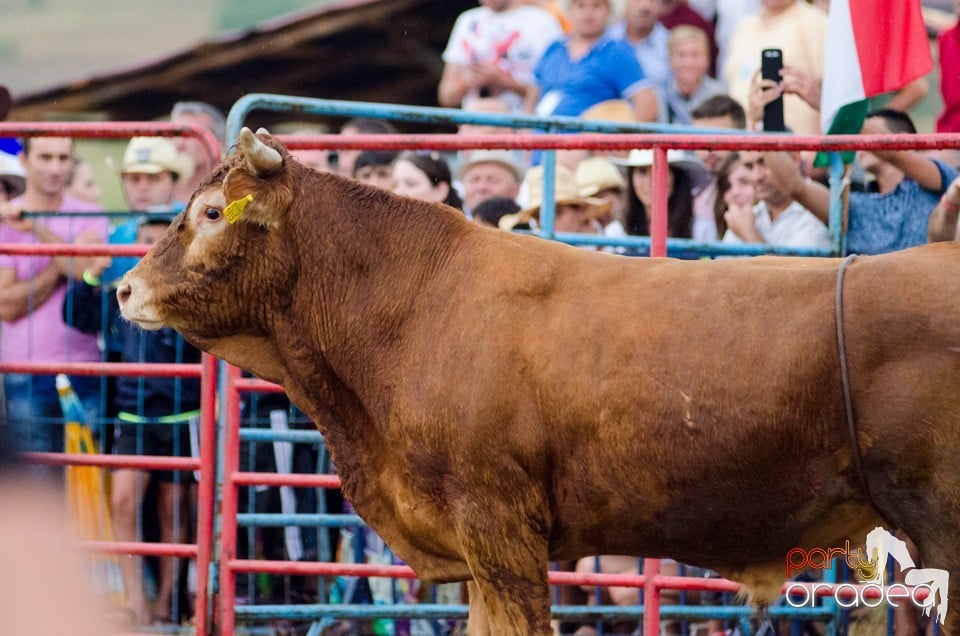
x: 112, y: 130
x: 204, y: 465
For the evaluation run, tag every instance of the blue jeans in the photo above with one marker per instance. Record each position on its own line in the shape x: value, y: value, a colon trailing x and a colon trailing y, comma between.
x: 34, y: 417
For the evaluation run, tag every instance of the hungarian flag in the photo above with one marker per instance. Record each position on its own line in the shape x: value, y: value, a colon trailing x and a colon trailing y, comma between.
x: 873, y: 47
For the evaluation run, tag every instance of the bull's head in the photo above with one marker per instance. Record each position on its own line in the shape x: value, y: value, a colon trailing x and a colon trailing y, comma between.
x: 226, y: 263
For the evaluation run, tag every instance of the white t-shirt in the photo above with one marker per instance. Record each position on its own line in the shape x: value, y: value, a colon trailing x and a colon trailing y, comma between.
x: 513, y: 39
x: 794, y: 227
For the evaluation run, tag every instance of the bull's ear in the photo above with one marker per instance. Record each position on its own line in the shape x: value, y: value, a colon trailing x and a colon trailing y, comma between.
x: 262, y: 160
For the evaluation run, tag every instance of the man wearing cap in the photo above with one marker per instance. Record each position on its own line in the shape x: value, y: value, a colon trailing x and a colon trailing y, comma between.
x: 487, y: 174
x: 149, y: 173
x: 32, y: 292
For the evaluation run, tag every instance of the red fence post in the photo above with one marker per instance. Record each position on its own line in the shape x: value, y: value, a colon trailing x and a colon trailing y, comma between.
x: 658, y: 231
x: 651, y: 591
x: 206, y: 494
x: 228, y: 500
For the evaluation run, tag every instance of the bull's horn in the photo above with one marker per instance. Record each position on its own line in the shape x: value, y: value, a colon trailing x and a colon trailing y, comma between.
x: 261, y: 158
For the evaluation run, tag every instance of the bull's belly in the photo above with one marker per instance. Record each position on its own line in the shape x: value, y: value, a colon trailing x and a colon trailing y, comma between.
x: 733, y: 534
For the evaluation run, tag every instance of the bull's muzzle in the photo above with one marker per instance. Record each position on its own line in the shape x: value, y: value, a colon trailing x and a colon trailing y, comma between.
x: 135, y: 305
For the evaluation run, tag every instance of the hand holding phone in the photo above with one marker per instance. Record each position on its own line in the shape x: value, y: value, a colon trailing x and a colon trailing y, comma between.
x: 771, y: 63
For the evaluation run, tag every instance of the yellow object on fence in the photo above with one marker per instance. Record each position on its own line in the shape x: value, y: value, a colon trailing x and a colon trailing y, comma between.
x: 88, y: 497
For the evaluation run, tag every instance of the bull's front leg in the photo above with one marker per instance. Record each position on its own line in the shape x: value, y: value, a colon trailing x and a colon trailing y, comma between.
x: 478, y: 624
x: 509, y: 568
x: 514, y: 603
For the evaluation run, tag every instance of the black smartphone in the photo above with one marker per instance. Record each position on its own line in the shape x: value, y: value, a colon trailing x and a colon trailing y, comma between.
x: 771, y: 63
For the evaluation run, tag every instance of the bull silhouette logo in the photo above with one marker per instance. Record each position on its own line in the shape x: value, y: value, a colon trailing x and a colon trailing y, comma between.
x: 881, y: 544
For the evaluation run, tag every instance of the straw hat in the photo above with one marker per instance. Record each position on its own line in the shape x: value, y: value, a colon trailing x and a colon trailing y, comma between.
x: 564, y: 192
x: 688, y: 162
x: 153, y: 155
x: 618, y: 110
x: 596, y: 174
x: 12, y: 174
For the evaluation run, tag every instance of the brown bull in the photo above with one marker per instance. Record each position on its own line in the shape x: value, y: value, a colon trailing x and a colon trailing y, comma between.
x: 495, y: 401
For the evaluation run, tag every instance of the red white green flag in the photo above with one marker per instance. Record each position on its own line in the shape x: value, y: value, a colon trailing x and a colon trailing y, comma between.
x: 873, y: 47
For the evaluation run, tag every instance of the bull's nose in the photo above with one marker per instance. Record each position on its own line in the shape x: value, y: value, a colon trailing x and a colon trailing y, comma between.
x: 123, y: 293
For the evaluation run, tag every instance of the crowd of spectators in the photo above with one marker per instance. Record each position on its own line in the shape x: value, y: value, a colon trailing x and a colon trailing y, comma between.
x: 689, y: 62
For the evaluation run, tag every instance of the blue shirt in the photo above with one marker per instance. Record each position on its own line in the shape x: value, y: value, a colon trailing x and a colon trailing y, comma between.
x: 126, y: 234
x: 652, y: 52
x: 610, y: 70
x: 880, y: 223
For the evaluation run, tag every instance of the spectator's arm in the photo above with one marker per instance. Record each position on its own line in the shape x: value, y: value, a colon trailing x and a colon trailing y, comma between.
x: 82, y: 307
x: 942, y: 225
x: 910, y: 95
x: 916, y: 166
x: 807, y: 192
x: 644, y: 104
x: 492, y: 76
x: 911, y: 163
x: 802, y: 84
x: 452, y: 86
x: 69, y: 266
x: 762, y: 92
x: 530, y: 99
x: 743, y: 223
x: 17, y: 297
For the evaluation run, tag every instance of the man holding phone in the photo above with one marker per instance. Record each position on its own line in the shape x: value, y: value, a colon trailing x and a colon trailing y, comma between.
x: 799, y: 31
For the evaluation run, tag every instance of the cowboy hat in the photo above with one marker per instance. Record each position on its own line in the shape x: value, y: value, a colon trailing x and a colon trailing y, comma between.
x: 564, y: 192
x: 153, y: 155
x: 688, y: 162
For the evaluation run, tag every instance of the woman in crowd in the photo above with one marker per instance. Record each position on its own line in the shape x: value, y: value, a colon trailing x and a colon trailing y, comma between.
x: 735, y: 189
x: 425, y: 176
x: 685, y: 176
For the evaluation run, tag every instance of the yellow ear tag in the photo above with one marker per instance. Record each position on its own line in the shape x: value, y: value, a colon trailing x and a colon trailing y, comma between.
x: 233, y: 211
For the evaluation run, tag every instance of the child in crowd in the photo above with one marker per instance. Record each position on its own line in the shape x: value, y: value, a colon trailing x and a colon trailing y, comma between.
x: 153, y: 413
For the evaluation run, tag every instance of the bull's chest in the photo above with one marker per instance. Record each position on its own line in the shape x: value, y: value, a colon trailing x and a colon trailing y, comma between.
x: 410, y: 515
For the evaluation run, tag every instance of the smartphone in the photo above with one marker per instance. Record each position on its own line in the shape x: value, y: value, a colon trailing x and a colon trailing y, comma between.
x: 771, y: 63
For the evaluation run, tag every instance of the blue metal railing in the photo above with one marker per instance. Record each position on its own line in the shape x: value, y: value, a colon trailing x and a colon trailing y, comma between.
x: 441, y: 117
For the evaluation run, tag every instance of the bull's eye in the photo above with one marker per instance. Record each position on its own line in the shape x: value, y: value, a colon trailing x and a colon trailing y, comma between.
x: 212, y: 214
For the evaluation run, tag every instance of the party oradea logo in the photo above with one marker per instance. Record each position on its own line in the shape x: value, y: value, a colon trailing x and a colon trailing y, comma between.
x: 926, y: 588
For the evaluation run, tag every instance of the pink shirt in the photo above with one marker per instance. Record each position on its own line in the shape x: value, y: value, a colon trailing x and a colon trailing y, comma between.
x: 42, y: 335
